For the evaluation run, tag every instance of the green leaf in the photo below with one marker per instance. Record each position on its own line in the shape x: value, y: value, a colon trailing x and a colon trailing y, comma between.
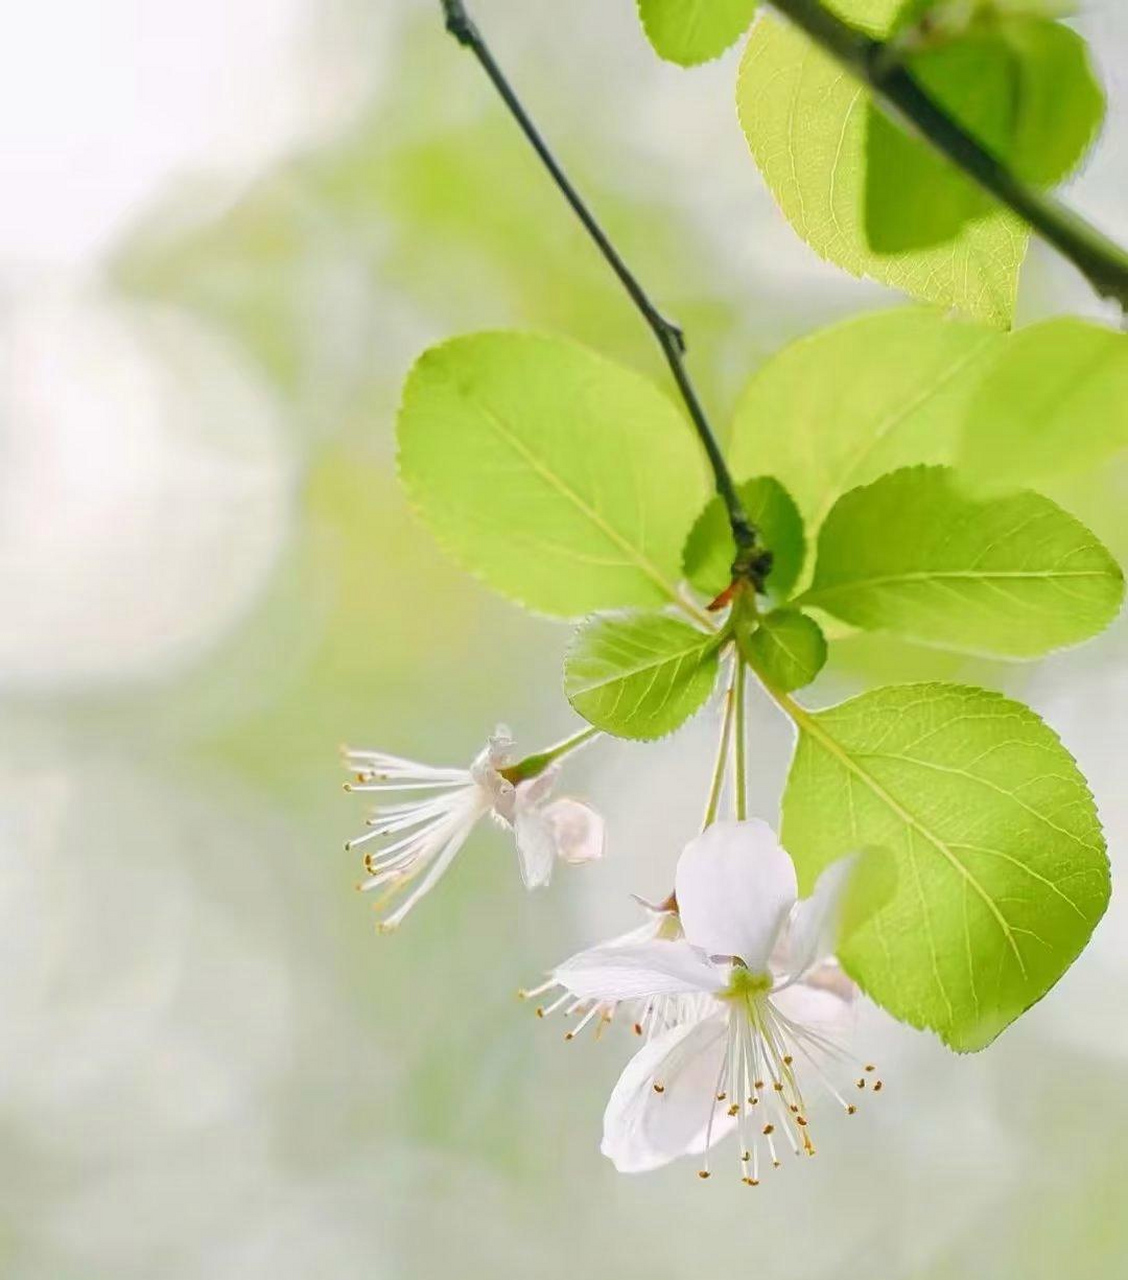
x: 787, y: 648
x: 563, y: 480
x: 1023, y: 86
x: 640, y: 674
x: 1055, y: 399
x: 691, y: 31
x: 1010, y: 577
x: 806, y: 123
x: 709, y: 550
x: 851, y: 402
x: 1001, y: 866
x: 940, y: 21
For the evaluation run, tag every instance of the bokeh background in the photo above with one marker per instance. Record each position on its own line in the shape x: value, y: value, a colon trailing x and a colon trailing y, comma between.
x: 226, y: 231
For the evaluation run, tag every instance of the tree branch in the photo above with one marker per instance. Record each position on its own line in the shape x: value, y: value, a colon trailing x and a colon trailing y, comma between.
x: 1101, y: 261
x: 752, y: 562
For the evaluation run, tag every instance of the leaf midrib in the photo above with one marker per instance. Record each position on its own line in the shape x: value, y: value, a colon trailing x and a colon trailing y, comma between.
x: 809, y: 724
x: 565, y: 490
x: 701, y: 646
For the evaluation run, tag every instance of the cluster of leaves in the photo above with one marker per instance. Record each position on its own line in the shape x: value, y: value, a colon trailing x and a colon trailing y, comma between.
x: 858, y: 188
x: 575, y: 487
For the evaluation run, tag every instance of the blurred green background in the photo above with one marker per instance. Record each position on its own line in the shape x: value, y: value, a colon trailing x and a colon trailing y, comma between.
x: 228, y: 230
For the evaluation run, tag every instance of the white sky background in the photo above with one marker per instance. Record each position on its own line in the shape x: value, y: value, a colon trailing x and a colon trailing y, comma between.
x: 122, y: 475
x: 102, y: 101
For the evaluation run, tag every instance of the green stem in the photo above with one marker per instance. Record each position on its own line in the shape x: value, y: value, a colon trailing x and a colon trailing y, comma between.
x: 537, y: 763
x: 877, y: 63
x: 722, y: 754
x: 740, y: 764
x: 750, y: 558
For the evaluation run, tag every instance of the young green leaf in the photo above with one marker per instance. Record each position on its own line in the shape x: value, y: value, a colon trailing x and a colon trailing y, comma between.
x: 1023, y: 86
x: 562, y: 479
x: 639, y: 674
x: 1012, y: 577
x: 806, y: 124
x: 1055, y: 399
x: 787, y: 648
x: 709, y: 550
x: 1002, y: 872
x: 692, y: 31
x: 947, y: 18
x: 851, y: 402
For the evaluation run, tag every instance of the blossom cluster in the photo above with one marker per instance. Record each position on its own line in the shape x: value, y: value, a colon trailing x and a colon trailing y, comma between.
x: 731, y: 983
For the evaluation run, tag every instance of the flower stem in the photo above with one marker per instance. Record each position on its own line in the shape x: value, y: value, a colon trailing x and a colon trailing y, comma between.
x: 877, y: 63
x: 537, y: 763
x: 721, y: 766
x: 740, y: 764
x: 751, y: 560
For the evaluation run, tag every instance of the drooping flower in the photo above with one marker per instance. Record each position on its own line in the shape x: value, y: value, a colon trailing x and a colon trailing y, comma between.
x: 648, y: 1016
x: 419, y: 836
x: 774, y: 1000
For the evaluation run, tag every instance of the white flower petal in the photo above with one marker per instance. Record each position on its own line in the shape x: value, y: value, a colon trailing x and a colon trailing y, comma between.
x: 485, y: 769
x: 639, y: 970
x: 735, y: 886
x: 536, y: 790
x: 644, y: 1129
x: 823, y: 1009
x: 830, y: 976
x: 499, y: 746
x: 578, y: 830
x: 812, y: 935
x: 536, y: 844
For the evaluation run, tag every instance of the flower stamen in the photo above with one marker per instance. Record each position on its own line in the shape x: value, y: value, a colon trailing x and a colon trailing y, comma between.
x: 760, y: 1063
x: 441, y: 806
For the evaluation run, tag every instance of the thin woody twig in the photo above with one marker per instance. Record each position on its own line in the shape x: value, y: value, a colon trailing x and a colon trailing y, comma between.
x: 752, y: 561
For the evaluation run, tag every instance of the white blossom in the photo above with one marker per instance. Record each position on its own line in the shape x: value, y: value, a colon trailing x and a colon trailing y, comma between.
x: 773, y: 1003
x: 432, y: 811
x: 646, y: 1017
